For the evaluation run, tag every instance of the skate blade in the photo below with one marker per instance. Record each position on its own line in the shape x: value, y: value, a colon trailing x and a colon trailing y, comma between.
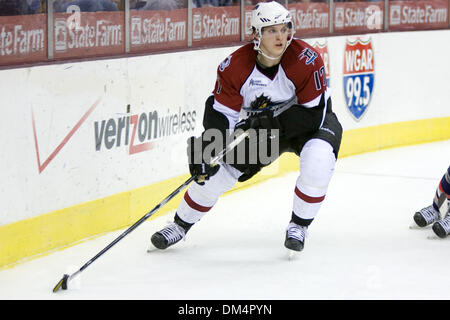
x: 436, y: 237
x: 291, y: 254
x: 151, y: 249
x: 416, y: 227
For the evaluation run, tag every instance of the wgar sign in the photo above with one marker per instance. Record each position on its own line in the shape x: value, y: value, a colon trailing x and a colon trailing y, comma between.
x: 359, y: 74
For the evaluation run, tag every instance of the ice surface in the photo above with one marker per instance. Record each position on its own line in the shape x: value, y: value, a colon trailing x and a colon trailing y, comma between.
x: 358, y: 247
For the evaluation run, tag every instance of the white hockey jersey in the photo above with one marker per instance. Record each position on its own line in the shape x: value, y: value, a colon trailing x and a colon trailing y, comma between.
x: 241, y: 82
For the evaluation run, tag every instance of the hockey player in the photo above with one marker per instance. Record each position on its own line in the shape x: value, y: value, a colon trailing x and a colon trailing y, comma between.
x: 276, y: 83
x: 432, y: 214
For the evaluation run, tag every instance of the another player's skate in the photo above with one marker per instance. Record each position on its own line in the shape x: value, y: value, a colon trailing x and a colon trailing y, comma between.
x: 442, y: 227
x: 171, y: 234
x: 426, y: 216
x: 295, y: 238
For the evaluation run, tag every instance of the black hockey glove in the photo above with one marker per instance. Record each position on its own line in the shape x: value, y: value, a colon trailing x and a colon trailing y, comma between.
x: 263, y: 120
x: 199, y: 167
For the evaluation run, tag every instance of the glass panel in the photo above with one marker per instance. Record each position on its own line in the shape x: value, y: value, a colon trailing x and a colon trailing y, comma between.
x: 214, y: 3
x: 23, y: 31
x: 254, y: 2
x: 309, y: 1
x: 158, y: 25
x: 21, y: 7
x: 419, y: 14
x: 158, y: 4
x: 88, y: 5
x: 215, y: 22
x: 86, y: 28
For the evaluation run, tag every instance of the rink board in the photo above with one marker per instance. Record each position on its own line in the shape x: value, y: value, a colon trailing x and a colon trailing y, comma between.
x: 95, y: 152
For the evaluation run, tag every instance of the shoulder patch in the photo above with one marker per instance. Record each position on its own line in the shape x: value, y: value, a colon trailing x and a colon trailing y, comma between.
x: 225, y: 63
x: 309, y: 56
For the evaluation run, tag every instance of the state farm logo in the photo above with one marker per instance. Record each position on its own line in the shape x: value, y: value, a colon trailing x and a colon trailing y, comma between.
x: 339, y: 18
x: 101, y: 33
x: 208, y: 26
x: 196, y: 26
x: 72, y: 33
x: 60, y: 35
x: 418, y: 13
x: 20, y: 39
x: 311, y: 18
x: 370, y: 17
x: 395, y: 15
x: 136, y: 30
x: 156, y: 29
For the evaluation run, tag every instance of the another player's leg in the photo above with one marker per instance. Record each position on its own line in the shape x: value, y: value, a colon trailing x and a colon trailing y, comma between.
x: 426, y: 216
x: 431, y: 214
x: 317, y: 162
x: 197, y: 201
x: 442, y: 227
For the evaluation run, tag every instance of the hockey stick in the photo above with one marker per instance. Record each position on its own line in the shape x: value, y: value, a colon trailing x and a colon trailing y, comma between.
x: 63, y: 283
x: 443, y: 205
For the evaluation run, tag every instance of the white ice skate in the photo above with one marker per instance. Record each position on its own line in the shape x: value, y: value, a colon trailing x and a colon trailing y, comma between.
x: 295, y: 239
x: 169, y: 235
x: 442, y: 227
x: 425, y: 217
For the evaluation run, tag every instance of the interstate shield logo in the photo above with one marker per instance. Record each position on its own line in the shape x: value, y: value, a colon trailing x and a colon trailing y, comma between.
x: 359, y: 74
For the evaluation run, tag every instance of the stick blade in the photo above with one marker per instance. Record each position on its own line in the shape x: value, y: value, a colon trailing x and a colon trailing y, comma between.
x: 61, y: 284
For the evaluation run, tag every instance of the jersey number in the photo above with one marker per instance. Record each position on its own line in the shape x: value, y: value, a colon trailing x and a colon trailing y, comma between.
x: 318, y: 75
x: 219, y: 86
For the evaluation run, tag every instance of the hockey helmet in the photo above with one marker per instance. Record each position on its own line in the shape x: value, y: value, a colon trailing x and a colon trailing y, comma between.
x: 268, y: 14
